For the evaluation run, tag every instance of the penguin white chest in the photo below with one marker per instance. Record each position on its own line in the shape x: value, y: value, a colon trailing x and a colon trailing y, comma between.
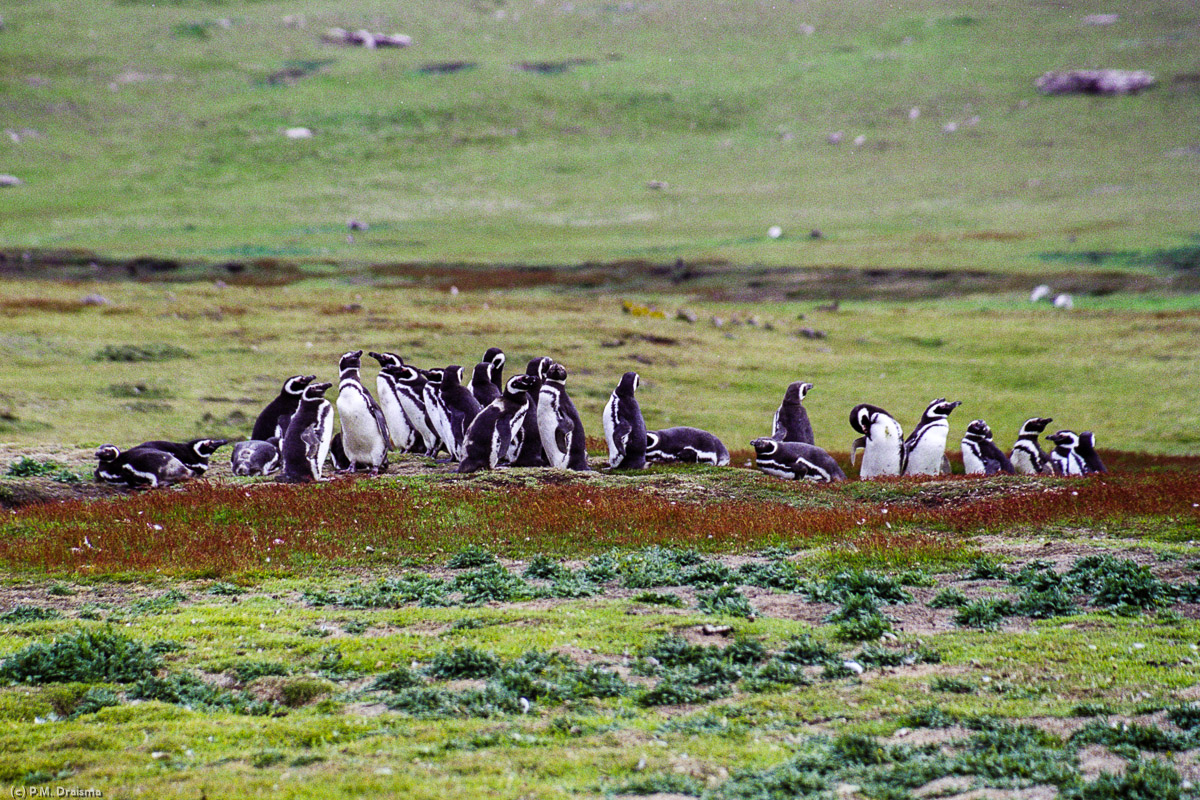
x: 360, y: 432
x: 611, y: 411
x: 550, y: 428
x: 972, y: 461
x: 402, y: 432
x: 882, y: 454
x: 925, y: 457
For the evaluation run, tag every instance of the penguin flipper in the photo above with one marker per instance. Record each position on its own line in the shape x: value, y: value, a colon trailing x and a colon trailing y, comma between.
x: 858, y: 444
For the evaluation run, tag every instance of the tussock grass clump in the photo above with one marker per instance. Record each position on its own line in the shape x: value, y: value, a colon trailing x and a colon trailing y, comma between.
x: 859, y: 619
x: 845, y: 584
x: 1143, y: 780
x: 463, y: 662
x: 726, y: 600
x: 396, y: 680
x: 775, y: 574
x: 985, y: 614
x: 20, y: 614
x: 986, y: 569
x: 493, y: 583
x: 1047, y: 604
x: 659, y: 599
x: 658, y: 783
x: 191, y: 692
x: 26, y: 467
x: 805, y: 650
x: 471, y: 557
x: 1120, y: 585
x: 1131, y: 734
x: 949, y: 598
x: 84, y: 656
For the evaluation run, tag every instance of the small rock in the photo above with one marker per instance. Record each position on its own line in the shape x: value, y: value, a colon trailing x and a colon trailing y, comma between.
x: 716, y: 630
x: 357, y: 225
x: 812, y: 333
x: 1064, y: 301
x: 657, y: 186
x: 835, y: 137
x: 718, y: 322
x: 1101, y: 20
x: 95, y: 300
x: 774, y: 231
x: 1040, y: 292
x: 854, y: 666
x: 687, y: 315
x: 10, y: 180
x: 298, y: 133
x: 815, y: 233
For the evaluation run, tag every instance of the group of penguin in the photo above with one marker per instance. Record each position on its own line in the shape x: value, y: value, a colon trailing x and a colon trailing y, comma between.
x: 530, y: 421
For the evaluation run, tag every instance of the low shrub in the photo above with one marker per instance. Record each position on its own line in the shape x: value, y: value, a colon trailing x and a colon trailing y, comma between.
x: 83, y: 655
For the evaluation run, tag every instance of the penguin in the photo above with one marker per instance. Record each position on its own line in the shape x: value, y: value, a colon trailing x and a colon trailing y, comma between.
x: 925, y: 447
x: 685, y: 445
x: 882, y: 442
x: 495, y: 358
x: 528, y: 440
x: 559, y: 425
x: 1087, y: 449
x: 489, y: 438
x: 1065, y: 457
x: 365, y: 437
x: 482, y: 388
x: 796, y: 461
x: 435, y: 407
x: 305, y: 445
x: 272, y: 419
x: 410, y: 391
x: 980, y: 454
x: 139, y: 468
x: 194, y: 454
x: 461, y: 409
x: 254, y: 457
x: 402, y: 432
x: 337, y: 454
x: 791, y: 420
x: 624, y: 428
x: 1027, y: 457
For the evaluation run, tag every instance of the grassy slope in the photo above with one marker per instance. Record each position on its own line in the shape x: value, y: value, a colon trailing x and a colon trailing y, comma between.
x: 1006, y: 360
x: 157, y: 141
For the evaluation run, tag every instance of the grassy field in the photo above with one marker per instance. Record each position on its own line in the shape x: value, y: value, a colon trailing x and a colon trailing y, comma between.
x: 584, y: 173
x: 158, y: 129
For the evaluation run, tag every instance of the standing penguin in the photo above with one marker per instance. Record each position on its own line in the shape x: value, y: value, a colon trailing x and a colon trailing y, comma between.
x: 925, y: 447
x: 254, y: 457
x: 461, y: 408
x: 402, y: 432
x: 796, y: 461
x: 435, y: 408
x: 272, y: 419
x: 482, y: 388
x: 882, y: 442
x: 685, y: 445
x: 1087, y: 449
x: 527, y: 440
x: 306, y: 442
x: 980, y: 454
x: 495, y: 358
x: 365, y: 437
x: 791, y: 420
x: 409, y: 386
x: 139, y: 468
x: 624, y: 428
x: 194, y: 454
x: 1027, y: 457
x: 559, y: 425
x: 489, y: 438
x: 1065, y: 457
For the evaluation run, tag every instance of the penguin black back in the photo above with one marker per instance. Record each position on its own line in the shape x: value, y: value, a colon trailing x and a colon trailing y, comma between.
x: 495, y: 358
x: 791, y: 419
x: 482, y: 387
x: 268, y: 423
x: 300, y: 447
x: 194, y: 454
x: 624, y: 428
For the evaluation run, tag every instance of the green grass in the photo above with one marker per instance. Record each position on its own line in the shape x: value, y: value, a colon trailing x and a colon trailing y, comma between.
x: 161, y: 133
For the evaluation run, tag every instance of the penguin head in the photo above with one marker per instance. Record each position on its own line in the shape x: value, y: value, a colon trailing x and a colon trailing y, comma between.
x: 494, y: 356
x: 295, y: 384
x: 1034, y: 426
x: 979, y: 430
x: 452, y: 375
x: 652, y: 439
x: 405, y: 374
x: 629, y: 383
x: 520, y: 384
x: 1068, y: 440
x: 862, y: 416
x: 434, y: 375
x: 206, y: 447
x: 538, y: 366
x: 316, y: 391
x: 764, y: 446
x: 797, y: 391
x: 940, y: 408
x: 387, y: 359
x: 107, y: 452
x: 556, y: 372
x: 1088, y: 439
x: 350, y: 360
